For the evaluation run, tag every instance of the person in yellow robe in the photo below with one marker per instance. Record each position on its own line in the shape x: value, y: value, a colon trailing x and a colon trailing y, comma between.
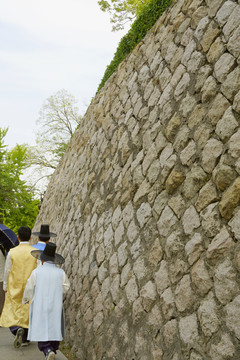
x: 18, y: 267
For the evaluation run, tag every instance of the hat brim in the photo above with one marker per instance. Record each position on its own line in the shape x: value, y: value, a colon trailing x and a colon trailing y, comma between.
x: 57, y: 259
x: 47, y: 236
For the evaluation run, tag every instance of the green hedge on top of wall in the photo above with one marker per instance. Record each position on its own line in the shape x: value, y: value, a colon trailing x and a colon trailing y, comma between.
x: 139, y: 28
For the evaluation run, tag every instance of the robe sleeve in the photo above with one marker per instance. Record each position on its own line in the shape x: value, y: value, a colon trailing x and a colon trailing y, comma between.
x: 29, y: 289
x: 7, y: 268
x: 66, y: 283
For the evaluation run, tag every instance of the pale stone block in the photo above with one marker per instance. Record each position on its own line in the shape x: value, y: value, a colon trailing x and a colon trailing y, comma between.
x: 170, y: 333
x: 216, y: 50
x: 182, y: 138
x: 161, y: 277
x: 153, y: 171
x: 212, y: 150
x: 177, y: 269
x: 168, y: 304
x: 148, y: 294
x: 188, y: 154
x: 139, y: 268
x: 224, y: 12
x: 223, y: 66
x: 119, y: 233
x: 223, y: 176
x: 122, y: 254
x: 136, y: 249
x: 226, y: 126
x: 235, y: 224
x: 233, y: 316
x: 174, y: 245
x: 210, y: 35
x: 160, y: 203
x: 114, y: 288
x: 190, y: 220
x: 195, y: 62
x: 142, y: 191
x: 166, y: 221
x: 194, y: 248
x: 230, y: 87
x: 188, y: 329
x: 165, y: 154
x: 100, y: 254
x: 207, y: 195
x: 234, y: 145
x: 201, y: 28
x: 184, y: 295
x: 182, y: 86
x: 132, y: 232
x: 209, y: 89
x: 211, y: 222
x: 230, y: 199
x: 137, y: 310
x: 208, y: 316
x: 176, y: 203
x: 144, y: 213
x: 156, y: 253
x: 128, y: 213
x: 220, y: 246
x: 131, y: 290
x: 201, y: 278
x: 232, y: 22
x: 202, y: 76
x: 223, y: 349
x: 195, y: 179
x: 225, y: 282
x: 233, y: 43
x: 236, y: 102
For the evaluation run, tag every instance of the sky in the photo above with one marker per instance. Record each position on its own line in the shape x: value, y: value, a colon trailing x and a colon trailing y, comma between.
x: 46, y: 46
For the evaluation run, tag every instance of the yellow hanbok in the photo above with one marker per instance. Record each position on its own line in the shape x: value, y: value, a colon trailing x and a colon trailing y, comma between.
x: 22, y: 264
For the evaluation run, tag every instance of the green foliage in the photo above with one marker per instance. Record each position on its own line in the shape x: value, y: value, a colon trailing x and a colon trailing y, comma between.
x: 144, y: 22
x: 122, y: 11
x: 17, y: 204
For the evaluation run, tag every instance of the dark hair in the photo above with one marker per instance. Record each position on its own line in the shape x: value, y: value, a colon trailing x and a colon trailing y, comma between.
x: 24, y: 233
x: 42, y: 238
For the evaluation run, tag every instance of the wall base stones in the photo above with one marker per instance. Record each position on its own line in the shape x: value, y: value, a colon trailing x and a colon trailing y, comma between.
x: 146, y: 200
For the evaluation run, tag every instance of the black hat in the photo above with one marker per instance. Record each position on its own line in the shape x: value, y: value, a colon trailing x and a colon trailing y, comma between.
x: 48, y: 254
x: 44, y: 232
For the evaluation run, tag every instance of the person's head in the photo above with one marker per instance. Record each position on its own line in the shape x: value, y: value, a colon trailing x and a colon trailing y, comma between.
x: 42, y: 238
x: 24, y: 233
x: 44, y: 234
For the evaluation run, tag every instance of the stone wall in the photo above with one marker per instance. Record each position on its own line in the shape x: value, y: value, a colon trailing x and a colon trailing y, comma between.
x: 146, y: 201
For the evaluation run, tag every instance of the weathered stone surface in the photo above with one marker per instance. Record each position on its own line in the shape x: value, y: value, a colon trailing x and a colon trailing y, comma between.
x: 194, y: 248
x: 230, y: 200
x: 190, y: 220
x: 211, y: 223
x: 233, y: 316
x: 208, y: 317
x: 223, y: 349
x: 207, y: 195
x: 195, y: 179
x: 234, y: 145
x: 223, y: 176
x: 225, y: 282
x: 146, y: 198
x: 188, y: 329
x: 184, y: 294
x: 227, y: 125
x: 211, y: 152
x: 166, y: 221
x: 220, y: 246
x: 174, y: 180
x: 201, y: 278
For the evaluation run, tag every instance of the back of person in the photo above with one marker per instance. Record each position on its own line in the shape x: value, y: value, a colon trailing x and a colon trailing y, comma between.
x: 14, y: 313
x: 46, y: 321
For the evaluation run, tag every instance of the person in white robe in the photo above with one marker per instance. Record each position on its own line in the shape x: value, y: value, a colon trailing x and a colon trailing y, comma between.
x: 46, y: 287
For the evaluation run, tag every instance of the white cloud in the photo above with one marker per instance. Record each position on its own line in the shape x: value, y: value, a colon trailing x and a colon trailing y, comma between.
x: 48, y: 45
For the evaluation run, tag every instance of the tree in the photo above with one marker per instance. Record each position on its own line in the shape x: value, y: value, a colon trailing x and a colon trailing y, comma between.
x: 58, y: 119
x: 122, y: 11
x: 18, y: 207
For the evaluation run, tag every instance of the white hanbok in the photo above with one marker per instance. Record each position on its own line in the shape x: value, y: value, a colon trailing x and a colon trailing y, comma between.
x: 46, y: 286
